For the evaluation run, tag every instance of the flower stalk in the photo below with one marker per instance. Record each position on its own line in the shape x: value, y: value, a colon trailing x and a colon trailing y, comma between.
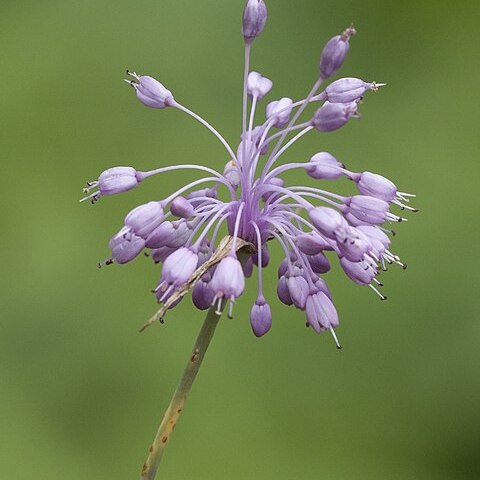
x: 177, y: 403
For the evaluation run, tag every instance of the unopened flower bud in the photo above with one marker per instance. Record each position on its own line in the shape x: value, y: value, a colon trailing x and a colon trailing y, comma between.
x: 283, y: 292
x: 332, y: 116
x: 265, y: 257
x: 144, y: 219
x: 276, y: 181
x: 202, y: 295
x: 278, y: 112
x: 260, y: 317
x: 298, y: 289
x: 327, y: 220
x: 232, y: 174
x: 319, y: 263
x: 181, y: 207
x: 376, y: 186
x: 125, y: 247
x: 117, y: 180
x: 311, y: 243
x: 258, y: 86
x: 204, y: 192
x: 321, y: 313
x: 335, y: 52
x: 368, y: 209
x: 150, y: 91
x: 254, y: 19
x: 347, y: 90
x: 325, y: 166
x: 358, y: 271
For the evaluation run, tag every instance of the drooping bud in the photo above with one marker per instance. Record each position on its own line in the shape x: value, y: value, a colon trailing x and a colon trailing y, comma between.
x: 335, y: 52
x: 125, y: 247
x: 160, y: 254
x: 248, y: 267
x: 254, y: 19
x: 359, y: 272
x: 182, y: 208
x: 283, y: 292
x: 265, y: 257
x: 261, y: 317
x: 177, y: 269
x: 346, y: 90
x: 368, y: 209
x: 150, y: 91
x: 375, y: 185
x: 278, y: 112
x: 228, y: 281
x: 332, y: 116
x: 169, y: 234
x: 327, y: 220
x: 311, y: 243
x: 298, y: 289
x: 319, y: 263
x: 325, y: 166
x: 352, y: 243
x: 321, y: 313
x: 117, y: 180
x: 258, y: 86
x: 204, y: 192
x: 202, y: 295
x: 144, y: 219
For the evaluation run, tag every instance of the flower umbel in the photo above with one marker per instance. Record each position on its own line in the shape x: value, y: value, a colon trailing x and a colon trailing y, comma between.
x: 247, y: 195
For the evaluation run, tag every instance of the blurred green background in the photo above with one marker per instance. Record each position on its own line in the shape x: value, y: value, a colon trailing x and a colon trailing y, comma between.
x: 82, y: 392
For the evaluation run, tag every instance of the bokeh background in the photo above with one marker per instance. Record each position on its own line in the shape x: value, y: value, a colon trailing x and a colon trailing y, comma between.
x: 82, y: 392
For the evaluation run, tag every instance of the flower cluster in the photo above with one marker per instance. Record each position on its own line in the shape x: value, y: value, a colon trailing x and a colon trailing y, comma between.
x: 181, y: 231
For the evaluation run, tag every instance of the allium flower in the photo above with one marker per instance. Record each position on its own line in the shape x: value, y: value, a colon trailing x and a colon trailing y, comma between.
x: 247, y: 195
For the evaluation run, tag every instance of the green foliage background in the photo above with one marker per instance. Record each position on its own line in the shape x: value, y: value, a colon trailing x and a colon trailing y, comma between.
x: 82, y: 392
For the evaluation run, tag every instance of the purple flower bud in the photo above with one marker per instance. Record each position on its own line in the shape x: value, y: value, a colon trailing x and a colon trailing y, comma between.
x: 283, y: 292
x: 298, y: 289
x: 376, y: 186
x: 265, y: 257
x: 202, y: 295
x: 228, y: 281
x: 352, y: 243
x: 325, y: 166
x: 117, y: 180
x: 160, y: 254
x: 278, y: 112
x: 169, y: 234
x: 151, y: 92
x: 359, y: 272
x: 319, y: 263
x: 334, y: 53
x: 144, y: 219
x: 277, y: 182
x: 283, y: 267
x: 177, y: 269
x: 232, y: 174
x: 261, y: 317
x: 311, y: 243
x: 347, y: 90
x: 254, y: 19
x: 257, y: 133
x: 321, y: 313
x: 368, y: 209
x: 125, y: 247
x: 374, y: 233
x: 332, y: 116
x: 258, y: 86
x: 321, y: 286
x: 182, y: 208
x: 204, y: 192
x: 248, y: 267
x: 327, y: 220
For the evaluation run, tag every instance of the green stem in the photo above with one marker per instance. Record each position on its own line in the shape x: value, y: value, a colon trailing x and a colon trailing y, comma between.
x: 179, y: 398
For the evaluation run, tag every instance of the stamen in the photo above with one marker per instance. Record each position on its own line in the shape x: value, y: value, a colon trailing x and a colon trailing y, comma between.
x: 334, y: 335
x: 382, y: 297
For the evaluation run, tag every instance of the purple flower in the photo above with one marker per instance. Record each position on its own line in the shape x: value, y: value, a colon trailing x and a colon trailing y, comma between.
x: 247, y: 193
